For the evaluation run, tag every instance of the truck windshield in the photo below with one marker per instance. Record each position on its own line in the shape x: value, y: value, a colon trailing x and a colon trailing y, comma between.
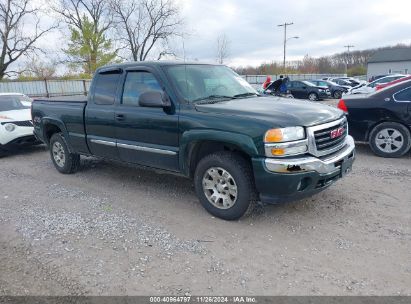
x: 10, y: 103
x: 200, y: 82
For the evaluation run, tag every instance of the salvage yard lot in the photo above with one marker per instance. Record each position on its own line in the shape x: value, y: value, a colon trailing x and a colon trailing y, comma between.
x: 115, y: 230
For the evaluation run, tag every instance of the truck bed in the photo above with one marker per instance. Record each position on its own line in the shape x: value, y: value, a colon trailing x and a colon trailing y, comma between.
x: 65, y: 112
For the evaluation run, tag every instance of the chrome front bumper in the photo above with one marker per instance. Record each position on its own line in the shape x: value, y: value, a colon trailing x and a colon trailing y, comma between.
x: 338, y: 161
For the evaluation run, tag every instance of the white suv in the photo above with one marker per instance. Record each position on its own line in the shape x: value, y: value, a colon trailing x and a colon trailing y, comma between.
x: 16, y: 127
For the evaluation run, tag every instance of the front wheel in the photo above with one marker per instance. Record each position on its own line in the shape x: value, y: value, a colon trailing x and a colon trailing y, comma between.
x: 224, y: 185
x: 390, y: 139
x: 313, y: 96
x: 64, y: 161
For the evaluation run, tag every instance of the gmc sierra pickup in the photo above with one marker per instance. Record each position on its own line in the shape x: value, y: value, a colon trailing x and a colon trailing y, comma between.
x: 204, y: 122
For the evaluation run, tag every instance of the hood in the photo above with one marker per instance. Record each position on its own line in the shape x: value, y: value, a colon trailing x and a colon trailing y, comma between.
x: 16, y: 115
x: 279, y: 112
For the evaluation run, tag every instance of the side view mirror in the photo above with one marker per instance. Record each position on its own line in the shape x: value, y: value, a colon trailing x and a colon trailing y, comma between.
x: 154, y: 99
x: 304, y: 88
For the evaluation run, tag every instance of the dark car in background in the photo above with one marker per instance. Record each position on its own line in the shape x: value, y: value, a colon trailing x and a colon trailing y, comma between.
x: 383, y: 119
x: 345, y: 82
x: 336, y: 90
x: 307, y: 90
x: 374, y: 78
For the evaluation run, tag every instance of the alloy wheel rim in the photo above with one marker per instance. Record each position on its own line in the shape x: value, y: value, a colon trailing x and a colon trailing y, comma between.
x: 58, y: 154
x: 389, y: 140
x: 220, y: 188
x: 312, y: 97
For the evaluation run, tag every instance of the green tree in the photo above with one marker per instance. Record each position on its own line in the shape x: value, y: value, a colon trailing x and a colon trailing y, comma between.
x: 89, y: 47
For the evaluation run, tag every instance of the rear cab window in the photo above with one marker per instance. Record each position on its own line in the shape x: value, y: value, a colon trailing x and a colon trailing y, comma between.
x: 105, y: 89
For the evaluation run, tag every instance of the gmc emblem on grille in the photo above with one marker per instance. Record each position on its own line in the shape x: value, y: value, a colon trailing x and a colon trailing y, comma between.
x: 336, y: 133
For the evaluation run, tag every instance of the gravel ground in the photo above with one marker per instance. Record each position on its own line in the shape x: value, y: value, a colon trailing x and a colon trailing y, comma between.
x: 115, y: 230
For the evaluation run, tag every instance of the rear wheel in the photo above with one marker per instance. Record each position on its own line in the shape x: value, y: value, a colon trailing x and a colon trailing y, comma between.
x: 337, y: 94
x: 390, y: 139
x: 224, y: 185
x: 313, y: 96
x: 64, y: 161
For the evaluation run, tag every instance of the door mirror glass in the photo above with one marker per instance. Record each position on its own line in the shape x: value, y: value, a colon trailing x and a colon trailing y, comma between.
x: 153, y: 99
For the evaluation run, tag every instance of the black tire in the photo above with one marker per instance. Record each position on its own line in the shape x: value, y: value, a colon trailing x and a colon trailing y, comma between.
x: 313, y: 96
x: 399, y: 144
x: 241, y: 172
x: 71, y: 160
x: 337, y: 94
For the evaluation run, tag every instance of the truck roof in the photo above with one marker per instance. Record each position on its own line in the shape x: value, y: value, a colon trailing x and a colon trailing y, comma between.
x: 153, y: 64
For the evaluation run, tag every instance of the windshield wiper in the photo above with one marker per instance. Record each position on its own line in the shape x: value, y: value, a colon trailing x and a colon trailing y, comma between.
x: 246, y: 94
x: 211, y: 97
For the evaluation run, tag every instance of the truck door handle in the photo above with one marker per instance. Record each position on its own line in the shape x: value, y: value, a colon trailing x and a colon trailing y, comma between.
x: 120, y: 117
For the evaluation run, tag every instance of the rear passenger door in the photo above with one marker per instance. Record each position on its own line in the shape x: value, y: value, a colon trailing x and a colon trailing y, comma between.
x: 99, y: 114
x: 145, y: 136
x: 299, y: 91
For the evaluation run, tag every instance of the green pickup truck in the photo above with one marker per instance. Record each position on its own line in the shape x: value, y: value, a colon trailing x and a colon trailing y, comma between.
x: 204, y: 122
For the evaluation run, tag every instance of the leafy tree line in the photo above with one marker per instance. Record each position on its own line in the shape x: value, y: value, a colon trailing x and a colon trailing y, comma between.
x: 355, y: 62
x: 97, y: 32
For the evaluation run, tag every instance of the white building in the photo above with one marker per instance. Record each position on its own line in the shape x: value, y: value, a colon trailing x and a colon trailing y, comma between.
x: 390, y: 61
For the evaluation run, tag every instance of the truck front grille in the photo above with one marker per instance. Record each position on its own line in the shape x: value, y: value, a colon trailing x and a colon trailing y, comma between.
x: 327, y: 138
x: 324, y: 140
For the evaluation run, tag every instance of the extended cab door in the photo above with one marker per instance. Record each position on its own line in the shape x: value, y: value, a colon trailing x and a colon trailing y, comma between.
x: 99, y: 114
x: 145, y: 135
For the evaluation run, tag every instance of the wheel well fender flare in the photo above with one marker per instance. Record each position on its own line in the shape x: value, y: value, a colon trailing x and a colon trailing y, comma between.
x: 52, y: 123
x: 190, y: 139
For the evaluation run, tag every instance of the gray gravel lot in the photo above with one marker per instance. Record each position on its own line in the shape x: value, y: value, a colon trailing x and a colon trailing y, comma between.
x: 115, y: 230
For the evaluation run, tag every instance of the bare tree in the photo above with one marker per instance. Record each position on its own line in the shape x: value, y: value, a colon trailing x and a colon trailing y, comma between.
x: 143, y: 24
x: 89, y: 22
x: 16, y: 40
x: 223, y: 45
x: 37, y: 69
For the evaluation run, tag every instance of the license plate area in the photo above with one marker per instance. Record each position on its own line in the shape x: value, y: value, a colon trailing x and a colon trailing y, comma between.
x: 345, y: 167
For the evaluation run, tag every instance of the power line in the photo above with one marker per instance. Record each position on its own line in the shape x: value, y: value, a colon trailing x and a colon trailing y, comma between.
x: 349, y: 47
x: 346, y: 60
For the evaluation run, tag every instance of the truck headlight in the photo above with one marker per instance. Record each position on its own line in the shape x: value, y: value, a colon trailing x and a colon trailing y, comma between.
x: 284, y: 135
x: 10, y: 127
x: 285, y: 142
x: 286, y: 149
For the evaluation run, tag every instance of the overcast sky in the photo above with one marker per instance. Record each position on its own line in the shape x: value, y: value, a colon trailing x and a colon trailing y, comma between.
x: 324, y: 27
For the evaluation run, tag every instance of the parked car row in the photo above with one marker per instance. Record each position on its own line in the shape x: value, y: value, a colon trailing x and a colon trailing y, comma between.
x: 313, y: 90
x: 367, y: 88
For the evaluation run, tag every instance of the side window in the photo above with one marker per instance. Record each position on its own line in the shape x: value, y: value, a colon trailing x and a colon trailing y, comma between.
x: 106, y: 87
x: 137, y: 83
x: 404, y: 95
x: 298, y: 85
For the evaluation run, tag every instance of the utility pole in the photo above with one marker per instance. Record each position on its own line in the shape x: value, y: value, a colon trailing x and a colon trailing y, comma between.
x: 285, y: 24
x: 346, y: 59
